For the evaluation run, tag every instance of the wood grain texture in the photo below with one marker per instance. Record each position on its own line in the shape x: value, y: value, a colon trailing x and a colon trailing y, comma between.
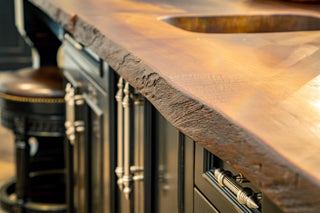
x: 251, y: 99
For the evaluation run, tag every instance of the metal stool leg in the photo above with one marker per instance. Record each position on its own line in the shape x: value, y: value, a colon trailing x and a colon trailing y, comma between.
x: 22, y: 168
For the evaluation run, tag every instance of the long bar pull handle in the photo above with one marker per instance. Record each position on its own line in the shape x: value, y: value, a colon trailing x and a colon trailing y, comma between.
x: 127, y: 177
x: 244, y: 196
x: 137, y: 169
x: 119, y: 170
x: 124, y: 171
x: 69, y: 99
x: 72, y: 126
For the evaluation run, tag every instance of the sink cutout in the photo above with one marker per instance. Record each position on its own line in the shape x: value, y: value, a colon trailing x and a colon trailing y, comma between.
x: 246, y: 24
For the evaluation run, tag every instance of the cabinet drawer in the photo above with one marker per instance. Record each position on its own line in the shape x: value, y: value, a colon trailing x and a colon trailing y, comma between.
x: 222, y: 193
x: 85, y: 61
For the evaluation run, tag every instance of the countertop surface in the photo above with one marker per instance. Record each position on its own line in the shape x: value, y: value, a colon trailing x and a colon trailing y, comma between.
x: 253, y: 99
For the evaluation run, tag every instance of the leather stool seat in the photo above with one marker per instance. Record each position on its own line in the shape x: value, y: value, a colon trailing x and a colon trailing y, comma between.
x: 32, y: 106
x: 35, y: 96
x: 31, y: 90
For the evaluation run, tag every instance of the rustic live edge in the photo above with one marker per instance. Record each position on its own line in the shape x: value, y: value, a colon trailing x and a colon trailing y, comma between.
x: 251, y: 99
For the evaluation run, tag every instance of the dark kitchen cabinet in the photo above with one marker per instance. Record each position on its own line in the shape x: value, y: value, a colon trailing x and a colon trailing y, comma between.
x: 148, y: 156
x: 125, y: 157
x: 166, y: 164
x: 90, y: 129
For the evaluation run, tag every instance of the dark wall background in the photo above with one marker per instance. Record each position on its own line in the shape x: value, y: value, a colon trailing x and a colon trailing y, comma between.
x: 14, y: 52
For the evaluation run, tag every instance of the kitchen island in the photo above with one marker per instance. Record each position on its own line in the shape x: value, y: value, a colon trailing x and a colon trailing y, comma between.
x: 251, y: 99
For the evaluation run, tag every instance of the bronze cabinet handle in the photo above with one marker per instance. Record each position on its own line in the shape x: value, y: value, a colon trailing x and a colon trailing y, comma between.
x: 127, y: 176
x: 126, y: 172
x: 73, y: 42
x: 69, y: 124
x: 119, y: 170
x: 72, y: 125
x: 244, y: 195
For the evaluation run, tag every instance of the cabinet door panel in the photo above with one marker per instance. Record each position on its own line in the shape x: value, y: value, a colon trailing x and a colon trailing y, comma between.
x: 81, y: 170
x: 88, y: 158
x: 95, y: 145
x: 166, y: 138
x: 93, y: 152
x: 138, y: 156
x: 188, y: 165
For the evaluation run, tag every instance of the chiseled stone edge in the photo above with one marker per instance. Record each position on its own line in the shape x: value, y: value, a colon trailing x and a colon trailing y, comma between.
x: 288, y: 186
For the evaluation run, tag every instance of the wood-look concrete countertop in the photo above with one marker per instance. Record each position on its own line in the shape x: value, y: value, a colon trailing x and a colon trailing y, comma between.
x: 253, y: 99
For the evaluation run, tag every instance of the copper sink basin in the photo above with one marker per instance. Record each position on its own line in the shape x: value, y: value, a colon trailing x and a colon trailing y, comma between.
x: 304, y: 1
x: 246, y: 24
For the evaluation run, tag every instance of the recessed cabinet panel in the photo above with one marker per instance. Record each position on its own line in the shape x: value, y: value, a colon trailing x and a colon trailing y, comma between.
x: 95, y: 147
x: 138, y: 158
x: 185, y: 174
x: 166, y: 138
x: 81, y: 168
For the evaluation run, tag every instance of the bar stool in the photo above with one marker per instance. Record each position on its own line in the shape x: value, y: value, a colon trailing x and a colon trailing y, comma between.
x: 32, y: 106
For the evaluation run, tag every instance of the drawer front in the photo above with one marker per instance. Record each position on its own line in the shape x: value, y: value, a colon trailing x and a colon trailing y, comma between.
x: 221, y: 185
x: 84, y: 61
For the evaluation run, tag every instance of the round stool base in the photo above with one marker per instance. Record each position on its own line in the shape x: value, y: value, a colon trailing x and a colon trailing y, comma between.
x: 9, y: 202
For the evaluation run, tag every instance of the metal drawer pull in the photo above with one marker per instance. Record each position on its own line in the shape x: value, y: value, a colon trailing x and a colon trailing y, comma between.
x: 244, y: 195
x: 74, y: 43
x: 72, y: 126
x: 69, y: 100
